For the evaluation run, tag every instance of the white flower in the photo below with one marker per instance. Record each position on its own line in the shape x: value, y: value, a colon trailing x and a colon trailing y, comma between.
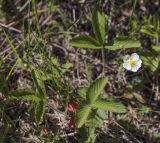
x: 132, y: 63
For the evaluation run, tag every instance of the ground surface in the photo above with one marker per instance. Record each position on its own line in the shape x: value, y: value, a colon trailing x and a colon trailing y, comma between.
x: 39, y: 32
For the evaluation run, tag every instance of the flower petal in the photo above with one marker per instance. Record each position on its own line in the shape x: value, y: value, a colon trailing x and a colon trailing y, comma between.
x: 134, y: 69
x: 126, y: 58
x: 135, y: 56
x: 139, y: 63
x: 127, y: 66
x: 137, y: 66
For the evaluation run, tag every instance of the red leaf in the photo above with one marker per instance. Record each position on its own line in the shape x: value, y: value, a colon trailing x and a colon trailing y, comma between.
x: 72, y: 106
x: 44, y: 132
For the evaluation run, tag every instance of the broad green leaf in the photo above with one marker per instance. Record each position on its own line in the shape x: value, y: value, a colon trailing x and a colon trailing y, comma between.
x: 84, y: 41
x: 112, y: 106
x: 40, y: 110
x: 95, y: 89
x: 98, y: 24
x: 82, y: 115
x: 23, y: 94
x: 123, y: 43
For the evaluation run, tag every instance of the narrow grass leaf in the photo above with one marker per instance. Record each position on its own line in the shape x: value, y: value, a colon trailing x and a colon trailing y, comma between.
x: 39, y: 83
x: 41, y: 93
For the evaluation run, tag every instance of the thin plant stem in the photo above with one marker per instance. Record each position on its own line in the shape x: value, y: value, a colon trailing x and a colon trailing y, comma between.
x: 103, y: 60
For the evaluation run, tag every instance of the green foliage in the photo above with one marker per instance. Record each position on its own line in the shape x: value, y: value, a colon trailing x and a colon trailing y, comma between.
x: 98, y: 24
x: 41, y: 93
x: 39, y: 83
x: 92, y: 94
x: 40, y: 110
x: 151, y: 59
x: 95, y: 89
x: 83, y: 92
x: 23, y: 95
x: 148, y: 30
x: 112, y: 106
x: 156, y: 48
x: 96, y: 118
x: 145, y: 109
x: 92, y: 109
x: 84, y: 41
x: 151, y: 26
x: 137, y: 96
x: 93, y: 102
x: 123, y: 43
x: 82, y: 115
x: 38, y: 96
x: 30, y: 95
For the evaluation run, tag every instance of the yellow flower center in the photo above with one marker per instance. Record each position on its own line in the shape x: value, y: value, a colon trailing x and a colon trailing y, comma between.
x: 132, y: 62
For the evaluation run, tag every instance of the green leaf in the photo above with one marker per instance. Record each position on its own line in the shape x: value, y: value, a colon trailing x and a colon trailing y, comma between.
x: 82, y: 115
x: 145, y: 109
x: 95, y: 89
x: 41, y: 93
x: 98, y: 24
x: 149, y: 31
x: 123, y: 43
x: 156, y: 48
x: 12, y: 47
x: 112, y: 106
x: 151, y: 60
x: 84, y: 41
x: 23, y: 94
x: 40, y: 110
x: 39, y: 83
x: 86, y: 135
x: 128, y: 95
x: 83, y: 92
x: 96, y: 118
x: 138, y: 97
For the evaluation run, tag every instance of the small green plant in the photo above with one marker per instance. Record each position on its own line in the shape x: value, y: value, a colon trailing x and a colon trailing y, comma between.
x: 99, y: 27
x: 38, y: 96
x: 91, y: 111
